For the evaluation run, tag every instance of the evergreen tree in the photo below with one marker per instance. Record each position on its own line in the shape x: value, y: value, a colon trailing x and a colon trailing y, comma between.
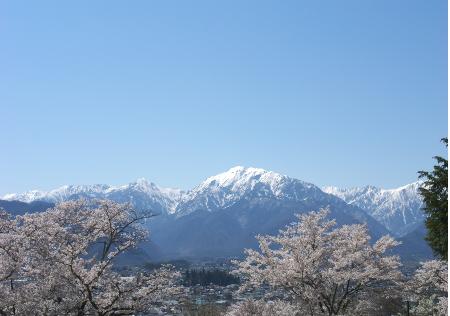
x: 434, y: 192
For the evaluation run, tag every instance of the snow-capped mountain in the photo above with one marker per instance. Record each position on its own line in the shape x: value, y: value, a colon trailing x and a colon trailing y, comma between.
x: 221, y: 216
x: 399, y: 210
x: 217, y: 192
x: 60, y: 194
x: 225, y: 189
x: 142, y: 193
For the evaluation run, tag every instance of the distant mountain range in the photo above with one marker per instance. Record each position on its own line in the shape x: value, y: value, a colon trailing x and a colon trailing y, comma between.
x: 399, y: 210
x: 142, y: 193
x: 221, y: 216
x: 20, y: 208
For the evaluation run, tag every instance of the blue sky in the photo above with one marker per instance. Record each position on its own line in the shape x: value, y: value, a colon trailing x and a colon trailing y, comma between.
x: 332, y: 92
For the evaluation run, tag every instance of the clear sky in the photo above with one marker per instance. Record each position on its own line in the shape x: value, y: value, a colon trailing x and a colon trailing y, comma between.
x: 332, y: 92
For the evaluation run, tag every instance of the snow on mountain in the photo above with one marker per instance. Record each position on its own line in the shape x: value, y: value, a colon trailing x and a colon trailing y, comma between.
x: 145, y: 194
x: 216, y: 192
x: 221, y: 216
x: 399, y: 210
x: 60, y: 194
x: 225, y: 189
x: 141, y: 193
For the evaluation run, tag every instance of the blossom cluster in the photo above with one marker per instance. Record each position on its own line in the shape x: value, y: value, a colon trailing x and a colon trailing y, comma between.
x: 61, y: 262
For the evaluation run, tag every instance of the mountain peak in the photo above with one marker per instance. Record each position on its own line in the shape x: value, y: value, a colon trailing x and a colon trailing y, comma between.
x: 225, y: 189
x: 142, y: 181
x: 242, y: 179
x: 398, y: 209
x: 143, y: 185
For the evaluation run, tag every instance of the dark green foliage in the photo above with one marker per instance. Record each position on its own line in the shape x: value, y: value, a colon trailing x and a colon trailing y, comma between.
x: 435, y: 195
x: 206, y: 277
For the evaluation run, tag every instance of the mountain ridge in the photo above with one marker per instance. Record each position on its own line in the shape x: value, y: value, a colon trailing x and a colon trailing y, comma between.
x: 220, y: 216
x: 399, y: 209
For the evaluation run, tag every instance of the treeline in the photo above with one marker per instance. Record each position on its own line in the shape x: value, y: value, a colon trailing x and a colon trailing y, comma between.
x: 178, y: 264
x: 206, y: 277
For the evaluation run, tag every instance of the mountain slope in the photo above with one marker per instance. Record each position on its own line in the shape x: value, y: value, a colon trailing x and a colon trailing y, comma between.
x: 20, y: 208
x: 399, y: 210
x: 141, y: 193
x: 413, y: 246
x: 223, y: 190
x: 223, y: 214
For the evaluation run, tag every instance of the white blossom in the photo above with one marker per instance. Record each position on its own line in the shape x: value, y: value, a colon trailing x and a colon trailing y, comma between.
x: 429, y: 287
x: 326, y: 269
x: 60, y: 262
x: 261, y: 308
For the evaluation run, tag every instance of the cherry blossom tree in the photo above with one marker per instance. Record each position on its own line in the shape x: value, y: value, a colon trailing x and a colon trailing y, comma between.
x: 261, y: 308
x: 326, y: 269
x: 61, y: 262
x: 429, y: 287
